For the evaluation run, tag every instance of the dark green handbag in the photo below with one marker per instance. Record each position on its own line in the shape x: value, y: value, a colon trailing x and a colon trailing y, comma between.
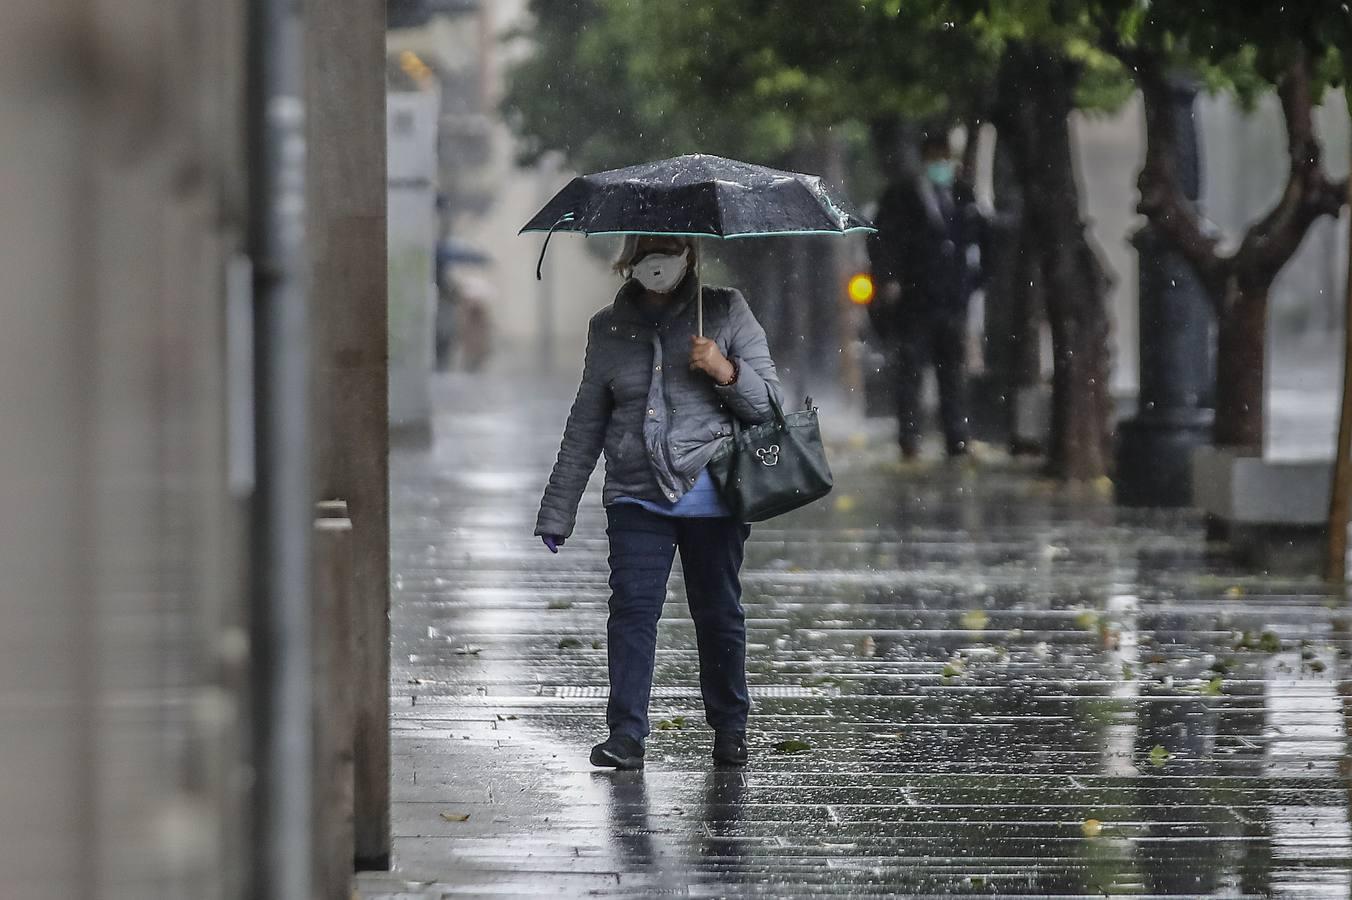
x: 770, y: 469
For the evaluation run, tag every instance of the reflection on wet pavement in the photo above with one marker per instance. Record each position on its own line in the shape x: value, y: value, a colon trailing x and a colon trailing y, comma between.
x: 1006, y: 689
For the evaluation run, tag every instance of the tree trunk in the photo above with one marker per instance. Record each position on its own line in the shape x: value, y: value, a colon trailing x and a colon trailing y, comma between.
x: 1340, y: 501
x: 1014, y: 308
x: 1076, y: 287
x: 1239, y: 283
x: 1240, y: 366
x: 1037, y: 100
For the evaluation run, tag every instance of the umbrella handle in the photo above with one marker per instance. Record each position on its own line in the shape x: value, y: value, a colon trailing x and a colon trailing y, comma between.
x: 699, y: 301
x: 540, y: 265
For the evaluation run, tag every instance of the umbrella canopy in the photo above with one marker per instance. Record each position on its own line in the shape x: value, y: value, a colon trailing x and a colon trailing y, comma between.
x: 697, y: 196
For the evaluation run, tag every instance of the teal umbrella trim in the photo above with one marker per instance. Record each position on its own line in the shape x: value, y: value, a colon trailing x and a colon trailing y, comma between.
x: 698, y: 234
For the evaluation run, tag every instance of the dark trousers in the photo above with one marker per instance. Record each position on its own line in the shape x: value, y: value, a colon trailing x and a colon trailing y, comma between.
x: 643, y: 546
x: 940, y: 341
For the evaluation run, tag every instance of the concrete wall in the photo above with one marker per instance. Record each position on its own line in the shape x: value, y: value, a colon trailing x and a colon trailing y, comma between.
x: 121, y: 553
x: 346, y: 181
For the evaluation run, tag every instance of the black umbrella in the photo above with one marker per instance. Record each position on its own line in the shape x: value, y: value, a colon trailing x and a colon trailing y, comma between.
x: 695, y: 196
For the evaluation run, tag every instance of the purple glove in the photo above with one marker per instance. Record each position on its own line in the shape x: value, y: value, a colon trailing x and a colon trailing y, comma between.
x: 552, y: 541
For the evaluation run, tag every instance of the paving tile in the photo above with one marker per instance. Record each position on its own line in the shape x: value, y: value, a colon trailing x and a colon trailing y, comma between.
x: 1008, y: 689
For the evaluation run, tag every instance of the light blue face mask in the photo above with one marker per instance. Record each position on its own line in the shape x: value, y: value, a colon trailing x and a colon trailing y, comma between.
x: 940, y: 172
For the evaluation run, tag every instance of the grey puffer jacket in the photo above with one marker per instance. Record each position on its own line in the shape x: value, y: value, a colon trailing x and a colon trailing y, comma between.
x: 658, y: 421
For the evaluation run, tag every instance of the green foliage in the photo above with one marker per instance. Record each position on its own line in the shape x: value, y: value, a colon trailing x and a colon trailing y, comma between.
x: 1240, y: 47
x: 793, y: 745
x: 572, y: 92
x: 612, y: 82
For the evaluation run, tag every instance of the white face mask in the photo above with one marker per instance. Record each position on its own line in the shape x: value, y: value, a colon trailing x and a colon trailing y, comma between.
x: 660, y: 272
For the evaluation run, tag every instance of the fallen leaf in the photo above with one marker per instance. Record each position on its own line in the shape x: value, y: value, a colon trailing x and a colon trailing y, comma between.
x: 1092, y: 828
x: 975, y: 620
x: 560, y: 604
x: 1159, y: 756
x: 455, y: 817
x: 952, y: 670
x: 1087, y: 619
x: 1212, y: 688
x: 792, y: 746
x: 1234, y: 591
x: 569, y: 643
x: 468, y: 651
x: 844, y: 503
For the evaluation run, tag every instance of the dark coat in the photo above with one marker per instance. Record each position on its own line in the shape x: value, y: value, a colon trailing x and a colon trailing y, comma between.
x: 657, y: 421
x: 924, y: 242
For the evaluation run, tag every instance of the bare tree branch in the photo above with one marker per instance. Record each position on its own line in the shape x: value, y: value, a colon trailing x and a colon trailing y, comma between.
x: 1162, y: 199
x: 1309, y: 193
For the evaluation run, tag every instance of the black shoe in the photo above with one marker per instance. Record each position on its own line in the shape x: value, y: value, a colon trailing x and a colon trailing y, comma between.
x: 730, y: 748
x: 618, y: 752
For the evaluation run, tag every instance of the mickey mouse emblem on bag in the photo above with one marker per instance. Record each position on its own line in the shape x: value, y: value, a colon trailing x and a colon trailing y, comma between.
x: 769, y: 456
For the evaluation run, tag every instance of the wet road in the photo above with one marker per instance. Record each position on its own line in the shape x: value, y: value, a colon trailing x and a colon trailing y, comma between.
x: 1005, y: 689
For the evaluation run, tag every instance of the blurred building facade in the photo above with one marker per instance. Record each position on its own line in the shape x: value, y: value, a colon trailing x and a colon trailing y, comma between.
x: 488, y: 195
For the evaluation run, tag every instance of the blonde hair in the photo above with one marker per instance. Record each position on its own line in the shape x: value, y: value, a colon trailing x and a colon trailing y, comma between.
x: 624, y: 259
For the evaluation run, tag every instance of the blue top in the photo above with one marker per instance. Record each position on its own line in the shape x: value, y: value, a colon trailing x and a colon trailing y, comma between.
x: 702, y: 501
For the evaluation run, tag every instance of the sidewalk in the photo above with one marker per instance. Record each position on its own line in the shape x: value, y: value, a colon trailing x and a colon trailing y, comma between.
x: 1005, y: 691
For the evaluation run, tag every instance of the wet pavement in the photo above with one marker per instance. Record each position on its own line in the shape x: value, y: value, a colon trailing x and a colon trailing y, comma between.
x: 1005, y: 689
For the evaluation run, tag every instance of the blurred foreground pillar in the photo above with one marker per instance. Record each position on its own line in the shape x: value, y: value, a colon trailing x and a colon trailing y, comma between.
x: 126, y: 456
x: 1177, y: 362
x: 345, y: 136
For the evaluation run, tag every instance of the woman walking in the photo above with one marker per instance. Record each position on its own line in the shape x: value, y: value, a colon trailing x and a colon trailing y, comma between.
x: 658, y: 398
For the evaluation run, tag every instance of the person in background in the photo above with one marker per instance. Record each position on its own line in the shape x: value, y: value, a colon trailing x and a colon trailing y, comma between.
x: 926, y: 263
x: 659, y: 399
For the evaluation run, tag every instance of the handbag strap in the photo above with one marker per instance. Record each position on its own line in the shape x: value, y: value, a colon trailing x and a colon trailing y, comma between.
x: 775, y: 405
